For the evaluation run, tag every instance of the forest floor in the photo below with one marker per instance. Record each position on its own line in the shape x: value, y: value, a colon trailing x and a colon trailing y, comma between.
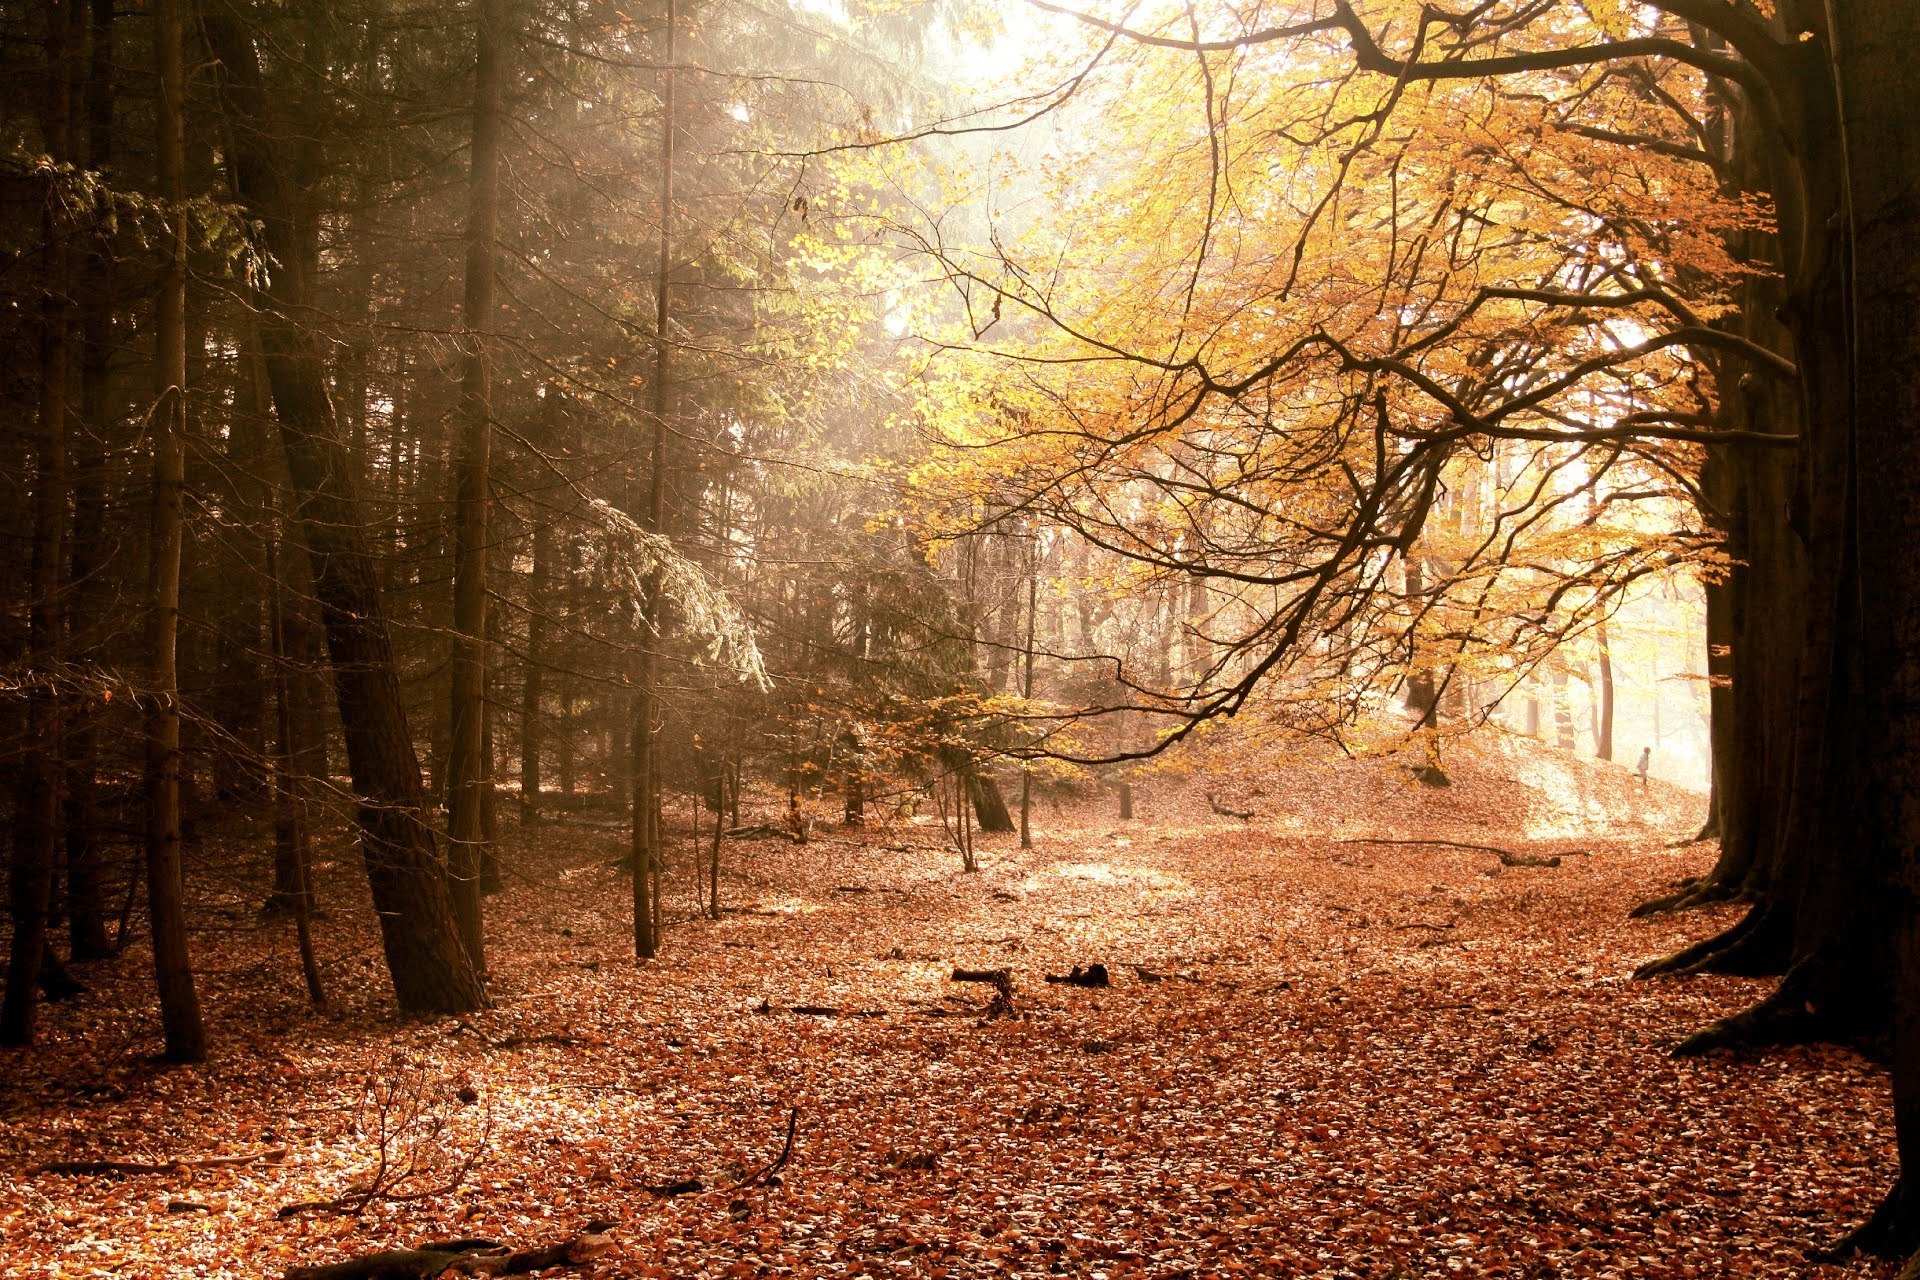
x: 1333, y: 1058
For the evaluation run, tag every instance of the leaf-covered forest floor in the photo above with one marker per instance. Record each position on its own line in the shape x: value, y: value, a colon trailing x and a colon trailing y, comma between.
x: 1340, y: 1059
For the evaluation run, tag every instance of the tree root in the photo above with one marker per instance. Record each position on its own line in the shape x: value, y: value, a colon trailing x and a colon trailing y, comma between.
x: 1892, y: 1230
x: 1752, y: 948
x: 1704, y: 891
x: 1783, y: 1018
x: 463, y: 1257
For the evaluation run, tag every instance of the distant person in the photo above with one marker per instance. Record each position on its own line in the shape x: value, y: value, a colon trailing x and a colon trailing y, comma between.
x: 1646, y: 758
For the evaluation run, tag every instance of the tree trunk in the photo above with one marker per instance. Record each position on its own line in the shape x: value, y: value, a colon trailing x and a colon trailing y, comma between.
x: 1603, y: 701
x: 429, y: 965
x: 646, y: 716
x: 1026, y: 684
x: 469, y: 768
x: 1562, y: 707
x: 37, y: 804
x: 989, y: 806
x: 533, y: 683
x: 88, y: 561
x: 185, y: 1037
x: 1872, y: 55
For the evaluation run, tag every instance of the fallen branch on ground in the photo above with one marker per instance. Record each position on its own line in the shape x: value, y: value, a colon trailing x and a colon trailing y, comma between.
x: 126, y: 1167
x: 1508, y: 858
x: 1244, y: 815
x: 518, y: 1040
x: 779, y: 1162
x: 463, y: 1257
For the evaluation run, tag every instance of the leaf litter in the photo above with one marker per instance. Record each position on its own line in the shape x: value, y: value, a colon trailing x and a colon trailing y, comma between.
x: 1314, y: 1058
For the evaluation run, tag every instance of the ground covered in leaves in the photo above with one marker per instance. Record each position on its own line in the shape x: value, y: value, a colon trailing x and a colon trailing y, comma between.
x: 1317, y: 1057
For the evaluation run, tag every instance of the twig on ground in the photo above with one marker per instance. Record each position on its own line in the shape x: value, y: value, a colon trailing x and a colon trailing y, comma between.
x: 127, y: 1167
x: 779, y: 1162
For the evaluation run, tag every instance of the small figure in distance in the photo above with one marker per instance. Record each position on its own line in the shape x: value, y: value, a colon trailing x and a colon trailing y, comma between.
x: 1646, y: 758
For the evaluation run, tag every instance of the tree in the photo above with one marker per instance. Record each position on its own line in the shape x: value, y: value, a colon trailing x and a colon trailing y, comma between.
x: 469, y: 768
x: 426, y: 958
x: 37, y: 804
x: 173, y: 971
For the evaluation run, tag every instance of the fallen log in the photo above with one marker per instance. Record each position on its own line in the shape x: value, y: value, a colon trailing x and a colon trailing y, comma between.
x: 463, y: 1257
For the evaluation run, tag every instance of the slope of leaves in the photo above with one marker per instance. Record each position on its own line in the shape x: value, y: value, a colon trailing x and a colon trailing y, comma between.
x: 1317, y: 1057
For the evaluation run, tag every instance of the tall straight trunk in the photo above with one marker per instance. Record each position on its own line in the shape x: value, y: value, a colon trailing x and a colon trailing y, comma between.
x: 186, y: 1039
x: 1423, y: 695
x: 1603, y: 697
x: 428, y: 963
x: 469, y: 768
x: 292, y: 860
x: 1026, y: 683
x: 1562, y: 709
x: 88, y: 560
x: 646, y: 711
x: 568, y: 755
x: 533, y: 684
x: 37, y: 792
x: 292, y: 838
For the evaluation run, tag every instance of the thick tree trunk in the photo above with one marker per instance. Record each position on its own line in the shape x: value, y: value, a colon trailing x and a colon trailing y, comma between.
x: 1873, y: 46
x: 989, y: 806
x: 37, y: 791
x: 429, y: 965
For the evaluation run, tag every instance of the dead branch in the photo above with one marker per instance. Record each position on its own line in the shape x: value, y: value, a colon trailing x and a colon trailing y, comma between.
x: 121, y: 1168
x: 1245, y: 815
x: 779, y: 1162
x: 1508, y: 858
